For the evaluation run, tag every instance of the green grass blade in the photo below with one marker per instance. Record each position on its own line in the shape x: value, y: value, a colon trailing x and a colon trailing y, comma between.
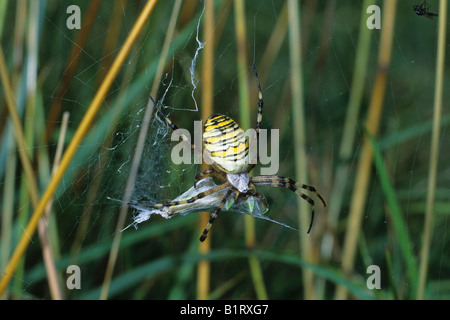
x: 396, y: 215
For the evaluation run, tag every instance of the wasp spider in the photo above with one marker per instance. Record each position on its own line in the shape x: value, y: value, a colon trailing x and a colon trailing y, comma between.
x: 228, y: 150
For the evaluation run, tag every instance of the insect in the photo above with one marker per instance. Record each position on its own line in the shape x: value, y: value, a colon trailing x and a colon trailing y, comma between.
x: 255, y: 205
x: 228, y: 152
x: 422, y: 10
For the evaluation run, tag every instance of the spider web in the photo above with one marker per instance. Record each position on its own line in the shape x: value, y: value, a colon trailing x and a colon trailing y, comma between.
x: 83, y: 211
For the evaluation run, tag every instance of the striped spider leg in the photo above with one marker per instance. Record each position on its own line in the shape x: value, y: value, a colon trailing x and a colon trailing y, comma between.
x: 208, y: 173
x: 258, y: 118
x: 277, y: 181
x: 171, y: 124
x: 216, y: 212
x: 185, y: 201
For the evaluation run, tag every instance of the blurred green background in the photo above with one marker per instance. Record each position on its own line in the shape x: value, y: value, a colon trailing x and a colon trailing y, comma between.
x: 53, y: 69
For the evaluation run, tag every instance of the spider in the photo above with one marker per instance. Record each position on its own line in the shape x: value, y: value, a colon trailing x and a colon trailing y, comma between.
x: 422, y: 10
x: 224, y: 144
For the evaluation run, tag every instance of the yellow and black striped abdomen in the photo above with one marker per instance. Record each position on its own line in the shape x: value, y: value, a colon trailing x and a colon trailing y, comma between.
x: 226, y: 144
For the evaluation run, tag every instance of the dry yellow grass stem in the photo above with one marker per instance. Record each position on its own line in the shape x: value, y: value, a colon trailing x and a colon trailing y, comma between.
x: 73, y: 146
x: 204, y: 267
x: 366, y: 159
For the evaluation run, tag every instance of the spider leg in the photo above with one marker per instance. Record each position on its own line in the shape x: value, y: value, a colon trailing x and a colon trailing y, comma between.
x: 277, y: 181
x: 216, y: 212
x: 186, y: 201
x: 288, y: 181
x: 206, y: 173
x: 258, y: 117
x: 260, y: 103
x: 172, y: 125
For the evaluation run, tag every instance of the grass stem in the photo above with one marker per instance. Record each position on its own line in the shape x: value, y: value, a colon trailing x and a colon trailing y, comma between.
x: 204, y: 266
x: 298, y: 115
x: 434, y: 150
